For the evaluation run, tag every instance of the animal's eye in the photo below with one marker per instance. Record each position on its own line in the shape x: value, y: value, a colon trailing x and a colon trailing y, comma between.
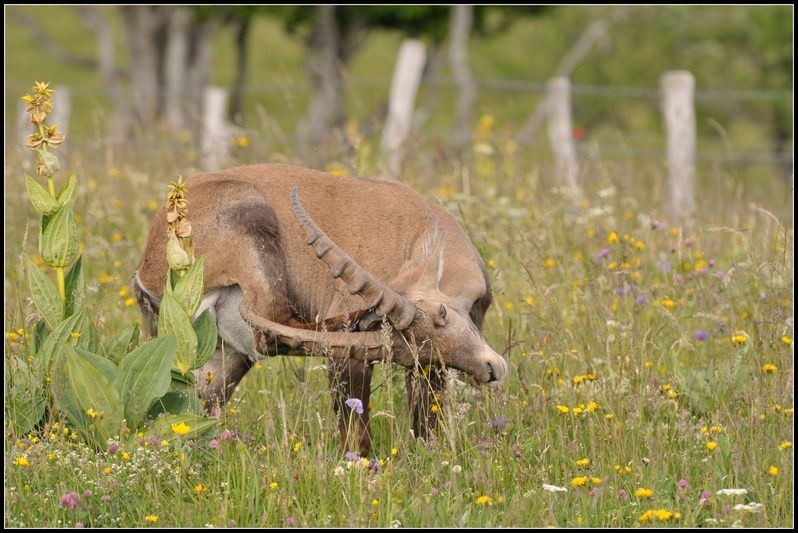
x: 442, y: 311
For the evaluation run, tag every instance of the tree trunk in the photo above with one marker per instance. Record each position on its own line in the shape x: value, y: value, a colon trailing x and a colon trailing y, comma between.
x: 461, y: 20
x: 96, y: 20
x: 176, y: 66
x: 430, y: 78
x: 237, y: 93
x: 141, y: 24
x: 324, y: 68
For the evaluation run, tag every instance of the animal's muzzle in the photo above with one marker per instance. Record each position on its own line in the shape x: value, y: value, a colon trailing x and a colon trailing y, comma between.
x: 491, y: 374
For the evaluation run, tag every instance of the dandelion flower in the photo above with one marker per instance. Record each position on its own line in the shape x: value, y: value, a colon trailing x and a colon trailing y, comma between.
x: 181, y: 429
x: 786, y: 340
x: 579, y: 481
x: 786, y: 444
x: 151, y: 518
x: 773, y: 471
x: 711, y: 445
x: 482, y: 500
x: 273, y: 485
x: 644, y: 493
x: 564, y: 410
x: 21, y: 461
x: 768, y: 368
x: 583, y: 462
x: 595, y: 480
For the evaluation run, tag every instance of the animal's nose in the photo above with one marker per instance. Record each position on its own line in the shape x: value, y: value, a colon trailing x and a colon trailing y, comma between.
x: 491, y: 374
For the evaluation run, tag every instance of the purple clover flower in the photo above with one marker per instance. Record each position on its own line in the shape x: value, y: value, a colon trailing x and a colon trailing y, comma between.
x: 70, y: 500
x: 213, y: 443
x: 683, y: 484
x: 113, y: 447
x: 622, y: 495
x: 356, y: 404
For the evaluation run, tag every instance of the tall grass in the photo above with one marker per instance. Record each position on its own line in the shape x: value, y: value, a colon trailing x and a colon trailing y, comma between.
x: 634, y: 344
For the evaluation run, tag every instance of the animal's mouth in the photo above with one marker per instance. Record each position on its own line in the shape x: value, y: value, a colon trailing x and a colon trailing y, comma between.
x: 491, y: 374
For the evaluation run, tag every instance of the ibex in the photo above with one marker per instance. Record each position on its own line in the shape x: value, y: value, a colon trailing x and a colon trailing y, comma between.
x: 301, y: 262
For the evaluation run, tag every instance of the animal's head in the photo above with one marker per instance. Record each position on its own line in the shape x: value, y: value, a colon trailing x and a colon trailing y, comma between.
x: 426, y: 325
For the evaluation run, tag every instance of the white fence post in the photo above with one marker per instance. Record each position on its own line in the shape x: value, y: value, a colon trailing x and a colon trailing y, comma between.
x: 215, y: 143
x: 678, y: 88
x: 404, y: 85
x: 560, y: 130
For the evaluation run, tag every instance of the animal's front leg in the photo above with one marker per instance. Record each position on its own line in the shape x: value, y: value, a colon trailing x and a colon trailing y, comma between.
x: 425, y: 389
x: 351, y: 380
x: 218, y: 378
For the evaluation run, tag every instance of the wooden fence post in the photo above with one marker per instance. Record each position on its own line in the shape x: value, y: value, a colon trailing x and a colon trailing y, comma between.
x: 215, y: 142
x: 678, y: 89
x: 404, y: 85
x: 560, y: 130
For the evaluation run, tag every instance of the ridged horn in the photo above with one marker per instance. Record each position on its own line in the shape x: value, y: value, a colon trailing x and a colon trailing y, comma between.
x: 385, y: 301
x: 361, y: 346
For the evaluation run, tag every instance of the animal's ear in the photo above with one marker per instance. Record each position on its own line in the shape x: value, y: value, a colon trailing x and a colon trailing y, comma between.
x: 426, y: 267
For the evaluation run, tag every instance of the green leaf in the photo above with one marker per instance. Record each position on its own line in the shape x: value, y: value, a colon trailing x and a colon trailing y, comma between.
x: 69, y: 192
x: 117, y: 346
x: 48, y: 160
x: 144, y: 375
x: 40, y: 198
x: 206, y: 330
x: 25, y: 400
x: 73, y: 283
x: 79, y: 386
x: 188, y: 290
x: 181, y: 398
x: 59, y: 240
x: 198, y: 425
x: 172, y: 319
x: 85, y: 337
x: 174, y: 277
x: 45, y: 295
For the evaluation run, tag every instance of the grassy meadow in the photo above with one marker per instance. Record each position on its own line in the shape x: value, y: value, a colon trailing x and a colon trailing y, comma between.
x: 651, y: 370
x: 651, y: 362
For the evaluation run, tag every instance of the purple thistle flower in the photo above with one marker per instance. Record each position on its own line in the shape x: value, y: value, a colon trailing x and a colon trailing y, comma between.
x: 719, y: 273
x: 447, y: 484
x: 433, y: 491
x: 683, y: 484
x: 356, y: 404
x: 227, y: 434
x: 290, y: 521
x: 699, y: 335
x: 711, y: 262
x: 656, y: 225
x: 678, y: 278
x: 605, y: 252
x: 705, y: 497
x: 78, y: 525
x: 622, y: 495
x: 113, y: 447
x: 87, y: 494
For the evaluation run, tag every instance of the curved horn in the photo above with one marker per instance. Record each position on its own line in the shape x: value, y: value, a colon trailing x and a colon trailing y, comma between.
x: 363, y: 346
x: 387, y: 302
